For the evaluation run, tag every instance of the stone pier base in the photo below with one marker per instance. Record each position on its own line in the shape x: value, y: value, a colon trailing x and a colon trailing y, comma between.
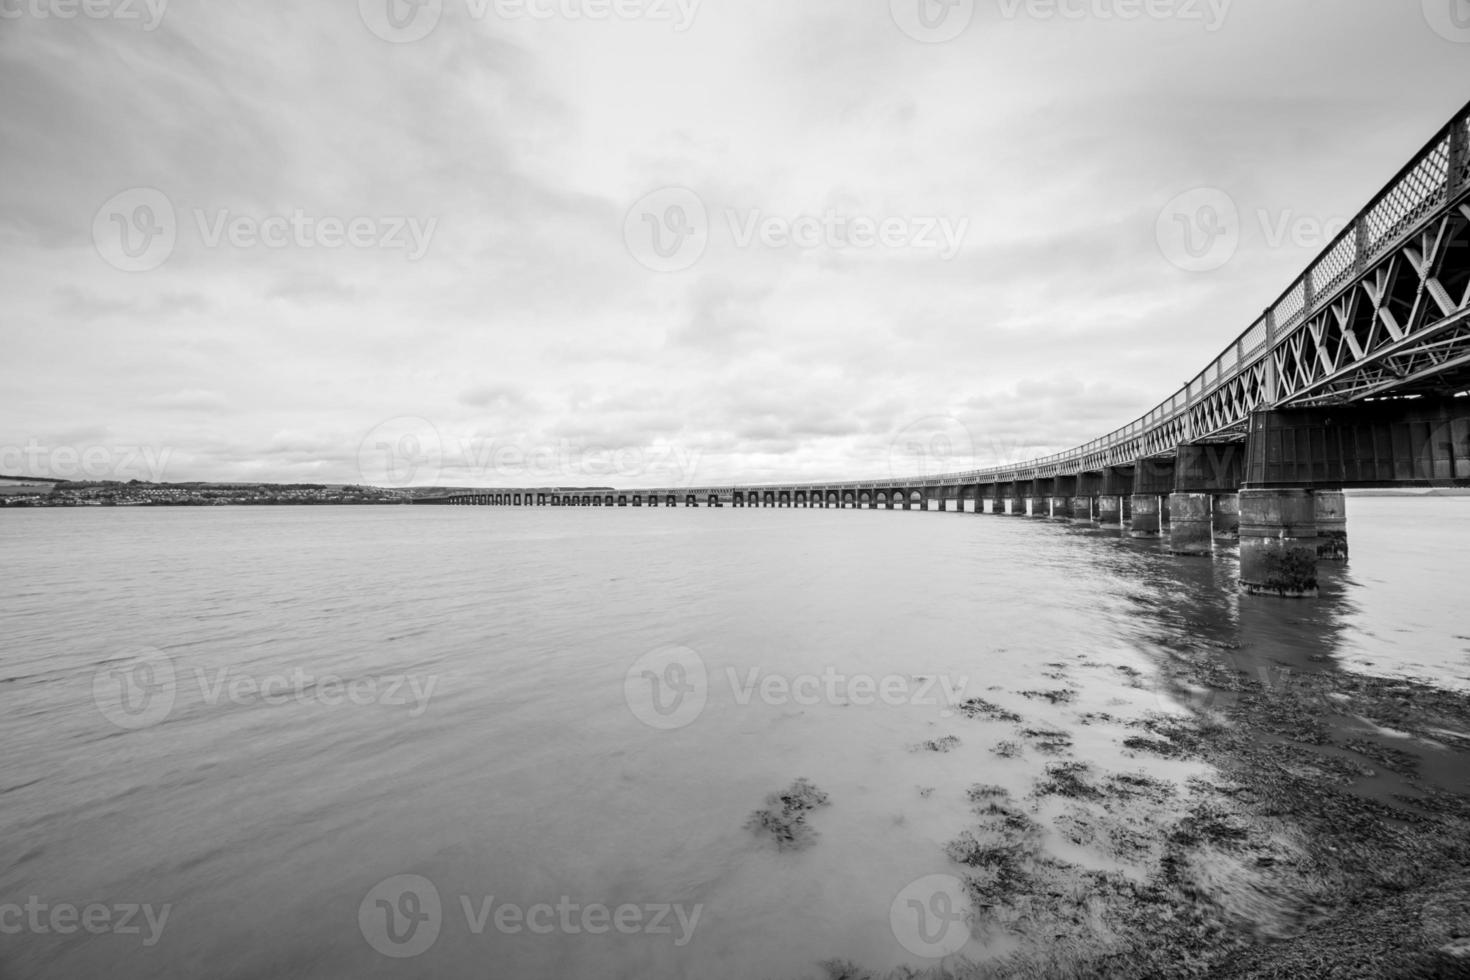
x: 1040, y: 507
x: 1145, y: 521
x: 1227, y: 516
x: 1278, y: 543
x: 1189, y: 524
x: 1330, y: 509
x: 1082, y: 510
x: 1110, y: 511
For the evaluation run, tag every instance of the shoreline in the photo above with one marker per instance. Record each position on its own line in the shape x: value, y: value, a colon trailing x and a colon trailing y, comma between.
x: 1331, y: 838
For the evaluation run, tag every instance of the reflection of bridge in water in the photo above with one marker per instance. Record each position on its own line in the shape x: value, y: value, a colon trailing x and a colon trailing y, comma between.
x: 1354, y: 377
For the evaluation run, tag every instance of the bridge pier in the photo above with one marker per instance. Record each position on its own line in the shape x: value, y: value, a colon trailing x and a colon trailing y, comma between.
x: 1330, y: 510
x: 1278, y: 543
x: 1110, y: 511
x: 1145, y: 522
x: 1081, y: 510
x: 1189, y: 525
x: 1226, y: 512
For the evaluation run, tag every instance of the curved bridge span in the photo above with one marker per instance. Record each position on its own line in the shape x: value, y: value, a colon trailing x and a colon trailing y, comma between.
x: 1354, y: 376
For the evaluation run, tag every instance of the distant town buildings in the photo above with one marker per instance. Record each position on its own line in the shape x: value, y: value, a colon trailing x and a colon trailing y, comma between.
x: 23, y: 492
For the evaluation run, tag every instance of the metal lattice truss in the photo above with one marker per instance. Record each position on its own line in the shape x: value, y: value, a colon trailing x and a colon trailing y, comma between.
x: 1384, y: 311
x: 1405, y: 327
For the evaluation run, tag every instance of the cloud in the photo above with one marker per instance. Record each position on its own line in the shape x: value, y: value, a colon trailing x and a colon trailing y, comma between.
x: 529, y: 322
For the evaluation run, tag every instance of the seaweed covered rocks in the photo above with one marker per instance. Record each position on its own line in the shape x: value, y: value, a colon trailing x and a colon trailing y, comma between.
x: 784, y: 816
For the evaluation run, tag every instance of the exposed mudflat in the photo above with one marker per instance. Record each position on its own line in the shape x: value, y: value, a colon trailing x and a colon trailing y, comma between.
x: 1329, y: 838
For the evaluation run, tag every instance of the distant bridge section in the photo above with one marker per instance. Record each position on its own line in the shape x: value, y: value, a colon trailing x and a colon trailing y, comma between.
x: 1354, y: 377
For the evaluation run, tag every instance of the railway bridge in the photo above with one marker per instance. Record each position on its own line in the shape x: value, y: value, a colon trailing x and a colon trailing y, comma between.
x: 1356, y: 376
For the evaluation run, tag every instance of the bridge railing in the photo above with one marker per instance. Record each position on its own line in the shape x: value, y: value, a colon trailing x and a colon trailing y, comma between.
x: 1437, y: 176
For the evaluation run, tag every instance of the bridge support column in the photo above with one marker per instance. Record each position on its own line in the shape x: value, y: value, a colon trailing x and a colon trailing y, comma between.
x: 1082, y: 510
x: 1145, y: 522
x: 1278, y: 543
x: 1330, y: 509
x: 1040, y: 506
x: 1189, y: 525
x: 1110, y: 511
x: 1226, y: 507
x: 1017, y: 507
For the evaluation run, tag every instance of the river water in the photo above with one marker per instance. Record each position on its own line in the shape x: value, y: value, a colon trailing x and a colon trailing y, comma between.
x: 256, y: 721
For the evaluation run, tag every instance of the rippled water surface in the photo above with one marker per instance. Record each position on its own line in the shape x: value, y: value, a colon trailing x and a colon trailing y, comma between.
x: 457, y: 694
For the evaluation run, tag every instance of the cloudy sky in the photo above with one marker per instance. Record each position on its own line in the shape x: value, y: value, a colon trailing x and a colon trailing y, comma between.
x: 643, y: 242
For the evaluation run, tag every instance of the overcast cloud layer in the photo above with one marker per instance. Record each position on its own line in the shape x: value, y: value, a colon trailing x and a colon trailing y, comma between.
x: 289, y: 242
